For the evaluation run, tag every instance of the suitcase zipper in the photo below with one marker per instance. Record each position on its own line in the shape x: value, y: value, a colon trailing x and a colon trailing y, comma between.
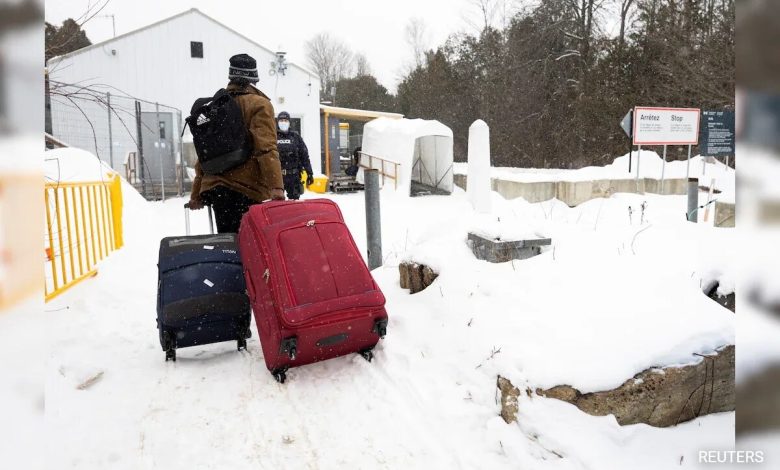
x: 267, y: 273
x: 325, y: 317
x: 276, y: 297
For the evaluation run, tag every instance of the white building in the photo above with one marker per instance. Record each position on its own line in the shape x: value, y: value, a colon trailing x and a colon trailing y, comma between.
x: 173, y: 62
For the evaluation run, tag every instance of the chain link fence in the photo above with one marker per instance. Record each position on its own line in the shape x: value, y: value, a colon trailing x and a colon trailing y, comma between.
x: 139, y: 139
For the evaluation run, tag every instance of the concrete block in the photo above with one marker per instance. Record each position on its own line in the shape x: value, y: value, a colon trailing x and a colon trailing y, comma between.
x: 501, y: 251
x: 574, y: 193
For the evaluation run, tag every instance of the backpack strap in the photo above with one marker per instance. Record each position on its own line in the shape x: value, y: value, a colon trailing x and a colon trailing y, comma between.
x: 199, y: 103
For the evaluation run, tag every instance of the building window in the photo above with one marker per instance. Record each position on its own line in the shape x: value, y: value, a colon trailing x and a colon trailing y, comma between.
x: 196, y: 49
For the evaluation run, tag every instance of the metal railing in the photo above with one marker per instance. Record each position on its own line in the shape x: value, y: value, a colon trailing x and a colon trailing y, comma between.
x: 83, y: 226
x: 110, y: 123
x: 383, y: 164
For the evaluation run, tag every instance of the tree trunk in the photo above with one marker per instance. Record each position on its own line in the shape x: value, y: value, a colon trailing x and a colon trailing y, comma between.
x: 625, y: 7
x: 588, y: 33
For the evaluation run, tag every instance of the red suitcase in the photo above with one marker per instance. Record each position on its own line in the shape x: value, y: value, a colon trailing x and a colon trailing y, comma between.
x: 312, y: 295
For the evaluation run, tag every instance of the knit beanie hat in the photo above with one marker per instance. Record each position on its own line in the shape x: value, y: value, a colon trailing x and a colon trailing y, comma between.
x: 243, y: 66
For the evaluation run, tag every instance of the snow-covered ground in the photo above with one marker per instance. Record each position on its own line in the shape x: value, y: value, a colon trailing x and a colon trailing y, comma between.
x: 613, y: 296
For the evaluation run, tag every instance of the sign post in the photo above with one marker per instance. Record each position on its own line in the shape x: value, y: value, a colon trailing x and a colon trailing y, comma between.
x: 638, y: 159
x: 627, y: 125
x: 663, y: 171
x: 688, y: 165
x: 665, y: 126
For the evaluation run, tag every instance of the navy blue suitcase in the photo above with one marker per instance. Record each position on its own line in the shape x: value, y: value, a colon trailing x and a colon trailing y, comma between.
x: 201, y: 292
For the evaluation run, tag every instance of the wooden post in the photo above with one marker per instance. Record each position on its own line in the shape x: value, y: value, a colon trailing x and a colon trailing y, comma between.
x: 327, y: 145
x: 709, y: 198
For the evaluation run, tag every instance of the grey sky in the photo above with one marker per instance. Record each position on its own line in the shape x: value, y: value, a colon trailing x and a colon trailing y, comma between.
x: 375, y: 28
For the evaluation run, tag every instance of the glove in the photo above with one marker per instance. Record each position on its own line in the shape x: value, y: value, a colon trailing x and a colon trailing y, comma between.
x: 195, y: 204
x: 309, y: 180
x: 277, y: 194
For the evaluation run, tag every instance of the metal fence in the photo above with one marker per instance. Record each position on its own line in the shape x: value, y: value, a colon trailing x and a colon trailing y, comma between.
x: 139, y: 139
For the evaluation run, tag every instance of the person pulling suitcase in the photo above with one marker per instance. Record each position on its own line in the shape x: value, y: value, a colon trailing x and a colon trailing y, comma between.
x: 235, y: 138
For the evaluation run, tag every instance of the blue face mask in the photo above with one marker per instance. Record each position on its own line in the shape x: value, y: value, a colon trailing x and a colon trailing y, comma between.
x: 284, y: 126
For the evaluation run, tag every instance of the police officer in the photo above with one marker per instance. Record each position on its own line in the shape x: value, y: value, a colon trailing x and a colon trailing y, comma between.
x: 294, y: 156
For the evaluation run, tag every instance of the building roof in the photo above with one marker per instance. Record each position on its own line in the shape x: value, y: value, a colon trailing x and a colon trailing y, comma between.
x: 171, y: 18
x: 357, y: 114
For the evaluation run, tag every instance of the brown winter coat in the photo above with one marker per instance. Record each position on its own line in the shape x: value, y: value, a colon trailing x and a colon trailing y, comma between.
x: 256, y: 177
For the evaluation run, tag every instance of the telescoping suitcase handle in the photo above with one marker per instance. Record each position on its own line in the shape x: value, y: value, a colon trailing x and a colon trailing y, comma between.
x: 187, y: 218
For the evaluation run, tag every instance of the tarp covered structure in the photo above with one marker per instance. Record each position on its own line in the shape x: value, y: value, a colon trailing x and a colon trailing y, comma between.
x: 412, y: 155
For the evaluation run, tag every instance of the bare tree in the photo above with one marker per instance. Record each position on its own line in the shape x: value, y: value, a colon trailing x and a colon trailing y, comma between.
x: 625, y: 9
x: 417, y: 38
x: 507, y: 9
x: 362, y: 67
x: 486, y: 10
x: 331, y: 58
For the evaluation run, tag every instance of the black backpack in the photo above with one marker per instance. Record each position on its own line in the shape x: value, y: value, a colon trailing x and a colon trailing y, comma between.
x: 221, y: 138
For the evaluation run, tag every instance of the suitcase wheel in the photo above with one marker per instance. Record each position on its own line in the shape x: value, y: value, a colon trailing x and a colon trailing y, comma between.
x: 367, y: 354
x: 170, y: 347
x: 280, y: 375
x: 380, y: 327
x: 241, y: 344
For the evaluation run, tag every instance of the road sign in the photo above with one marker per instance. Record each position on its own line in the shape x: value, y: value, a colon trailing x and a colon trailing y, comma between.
x: 717, y: 134
x: 666, y: 126
x: 626, y: 123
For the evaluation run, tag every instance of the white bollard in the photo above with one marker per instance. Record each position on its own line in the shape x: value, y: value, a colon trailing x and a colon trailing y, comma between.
x: 478, y: 186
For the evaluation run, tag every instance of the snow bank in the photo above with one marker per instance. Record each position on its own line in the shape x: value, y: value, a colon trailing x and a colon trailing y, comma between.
x: 73, y: 165
x: 650, y: 167
x: 588, y: 312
